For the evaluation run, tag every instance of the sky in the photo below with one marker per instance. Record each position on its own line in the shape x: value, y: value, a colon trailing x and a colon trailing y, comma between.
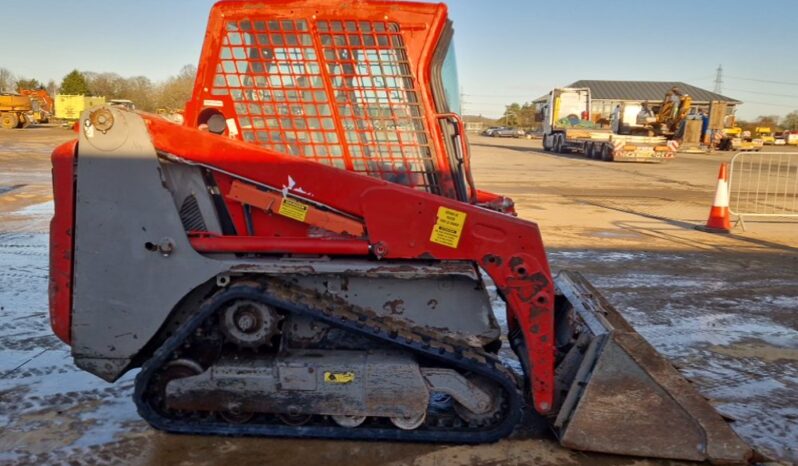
x: 507, y: 50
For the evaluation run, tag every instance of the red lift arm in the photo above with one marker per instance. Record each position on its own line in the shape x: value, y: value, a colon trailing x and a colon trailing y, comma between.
x: 400, y: 223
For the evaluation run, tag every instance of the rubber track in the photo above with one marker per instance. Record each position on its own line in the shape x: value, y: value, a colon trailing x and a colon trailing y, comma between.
x: 339, y: 313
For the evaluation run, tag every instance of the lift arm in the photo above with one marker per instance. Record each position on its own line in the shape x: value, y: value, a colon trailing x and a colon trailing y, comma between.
x: 400, y: 223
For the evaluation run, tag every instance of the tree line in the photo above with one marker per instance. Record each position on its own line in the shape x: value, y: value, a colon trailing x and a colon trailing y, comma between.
x: 774, y: 122
x: 519, y: 115
x: 171, y: 93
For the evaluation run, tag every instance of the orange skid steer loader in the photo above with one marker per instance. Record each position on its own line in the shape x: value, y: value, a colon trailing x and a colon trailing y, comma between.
x: 307, y: 256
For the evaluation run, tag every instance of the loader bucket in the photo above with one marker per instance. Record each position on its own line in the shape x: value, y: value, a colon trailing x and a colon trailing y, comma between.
x: 626, y: 398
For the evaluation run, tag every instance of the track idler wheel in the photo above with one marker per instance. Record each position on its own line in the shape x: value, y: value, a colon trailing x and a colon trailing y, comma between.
x: 295, y: 420
x: 485, y: 417
x: 348, y: 421
x: 235, y: 417
x: 250, y: 324
x: 177, y: 369
x: 409, y: 422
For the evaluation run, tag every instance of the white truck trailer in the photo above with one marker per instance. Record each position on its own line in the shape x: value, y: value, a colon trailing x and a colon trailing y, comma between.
x: 567, y: 127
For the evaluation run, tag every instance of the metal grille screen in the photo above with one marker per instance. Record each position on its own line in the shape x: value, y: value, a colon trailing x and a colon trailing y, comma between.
x: 338, y: 92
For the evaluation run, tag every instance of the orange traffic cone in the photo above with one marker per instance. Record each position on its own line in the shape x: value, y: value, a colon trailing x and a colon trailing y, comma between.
x: 719, y: 220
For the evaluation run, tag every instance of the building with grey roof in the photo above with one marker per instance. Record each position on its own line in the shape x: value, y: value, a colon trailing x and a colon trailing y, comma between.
x: 607, y: 94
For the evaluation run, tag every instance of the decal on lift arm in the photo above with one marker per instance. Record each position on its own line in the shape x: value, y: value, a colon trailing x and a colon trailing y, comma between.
x: 339, y: 377
x: 293, y: 209
x: 448, y: 227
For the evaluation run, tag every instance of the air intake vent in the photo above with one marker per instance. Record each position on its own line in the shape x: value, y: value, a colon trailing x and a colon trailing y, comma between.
x: 191, y: 216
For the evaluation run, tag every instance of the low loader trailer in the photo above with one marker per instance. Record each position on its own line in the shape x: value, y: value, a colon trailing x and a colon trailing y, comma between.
x: 603, y: 144
x: 567, y: 127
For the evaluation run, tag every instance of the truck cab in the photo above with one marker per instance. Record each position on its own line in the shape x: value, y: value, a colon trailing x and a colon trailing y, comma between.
x: 566, y: 108
x: 790, y: 138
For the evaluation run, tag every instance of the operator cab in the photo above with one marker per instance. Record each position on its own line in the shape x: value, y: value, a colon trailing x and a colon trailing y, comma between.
x: 378, y: 97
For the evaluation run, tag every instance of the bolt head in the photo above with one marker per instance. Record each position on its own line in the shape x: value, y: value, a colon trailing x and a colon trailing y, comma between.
x: 245, y: 322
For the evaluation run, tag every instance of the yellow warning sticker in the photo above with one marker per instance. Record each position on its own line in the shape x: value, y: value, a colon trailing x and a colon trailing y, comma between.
x: 448, y: 227
x: 339, y: 377
x: 293, y: 209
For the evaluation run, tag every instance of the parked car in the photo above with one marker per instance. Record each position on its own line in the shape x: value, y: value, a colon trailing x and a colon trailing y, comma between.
x: 533, y: 134
x: 790, y: 137
x: 489, y: 131
x: 508, y: 133
x: 122, y: 103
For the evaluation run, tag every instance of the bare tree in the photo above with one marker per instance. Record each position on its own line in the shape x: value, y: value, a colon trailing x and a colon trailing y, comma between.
x: 8, y: 81
x: 170, y: 94
x: 142, y: 92
x: 108, y: 85
x: 52, y: 87
x: 174, y: 93
x: 790, y: 121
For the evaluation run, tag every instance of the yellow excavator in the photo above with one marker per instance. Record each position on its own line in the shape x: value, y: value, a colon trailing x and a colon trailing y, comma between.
x: 643, y: 119
x: 673, y: 111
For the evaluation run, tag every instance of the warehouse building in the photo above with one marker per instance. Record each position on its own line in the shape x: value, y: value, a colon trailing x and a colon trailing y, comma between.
x: 608, y: 94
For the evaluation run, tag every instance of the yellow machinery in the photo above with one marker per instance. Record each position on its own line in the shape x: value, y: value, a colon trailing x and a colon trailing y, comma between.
x: 41, y: 104
x: 16, y: 111
x: 734, y: 138
x: 666, y: 121
x: 675, y: 107
x: 765, y: 134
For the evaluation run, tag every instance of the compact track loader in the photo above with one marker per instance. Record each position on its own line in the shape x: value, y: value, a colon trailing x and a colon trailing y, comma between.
x: 308, y: 256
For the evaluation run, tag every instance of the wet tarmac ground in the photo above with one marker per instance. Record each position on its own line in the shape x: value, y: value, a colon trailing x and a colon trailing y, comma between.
x: 726, y: 316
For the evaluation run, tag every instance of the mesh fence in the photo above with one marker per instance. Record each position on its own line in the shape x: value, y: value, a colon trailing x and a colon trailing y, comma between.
x: 764, y: 184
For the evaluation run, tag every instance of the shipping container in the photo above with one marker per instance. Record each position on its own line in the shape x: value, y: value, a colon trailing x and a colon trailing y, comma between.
x: 69, y: 107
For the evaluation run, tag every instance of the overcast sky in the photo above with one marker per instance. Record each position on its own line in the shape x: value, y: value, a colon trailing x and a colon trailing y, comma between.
x: 508, y: 50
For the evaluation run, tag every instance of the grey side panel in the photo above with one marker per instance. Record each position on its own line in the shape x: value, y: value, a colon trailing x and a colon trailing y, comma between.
x: 105, y: 368
x: 124, y: 291
x: 452, y: 303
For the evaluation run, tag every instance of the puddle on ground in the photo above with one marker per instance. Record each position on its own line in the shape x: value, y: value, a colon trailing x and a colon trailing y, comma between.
x: 622, y: 234
x: 6, y: 189
x: 758, y: 350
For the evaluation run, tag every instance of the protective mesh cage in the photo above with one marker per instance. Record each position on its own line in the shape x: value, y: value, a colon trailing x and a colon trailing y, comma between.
x: 338, y: 92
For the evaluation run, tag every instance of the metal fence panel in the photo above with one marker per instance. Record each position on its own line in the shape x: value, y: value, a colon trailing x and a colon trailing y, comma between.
x: 764, y: 184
